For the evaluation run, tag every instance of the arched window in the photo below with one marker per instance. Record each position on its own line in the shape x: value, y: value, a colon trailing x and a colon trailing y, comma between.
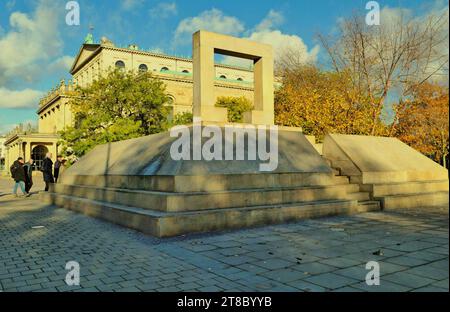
x: 240, y: 79
x: 143, y: 68
x: 120, y: 65
x: 164, y: 69
x: 185, y: 71
x: 223, y: 77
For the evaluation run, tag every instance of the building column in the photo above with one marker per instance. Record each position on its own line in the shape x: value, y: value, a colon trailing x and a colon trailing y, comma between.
x: 54, y: 150
x: 7, y: 159
x: 27, y: 151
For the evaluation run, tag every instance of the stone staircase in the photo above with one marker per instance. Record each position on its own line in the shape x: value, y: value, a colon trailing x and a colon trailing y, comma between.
x: 357, y: 192
x: 399, y: 195
x: 169, y: 206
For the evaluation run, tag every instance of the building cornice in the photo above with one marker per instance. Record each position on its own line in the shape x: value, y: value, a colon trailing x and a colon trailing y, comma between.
x: 74, y: 69
x: 16, y: 137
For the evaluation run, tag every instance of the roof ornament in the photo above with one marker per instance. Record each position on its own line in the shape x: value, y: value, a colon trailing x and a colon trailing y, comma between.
x: 89, y: 39
x: 106, y: 42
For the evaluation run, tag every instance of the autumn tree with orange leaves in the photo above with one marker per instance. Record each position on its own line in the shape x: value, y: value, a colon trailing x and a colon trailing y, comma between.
x: 422, y: 122
x: 322, y: 102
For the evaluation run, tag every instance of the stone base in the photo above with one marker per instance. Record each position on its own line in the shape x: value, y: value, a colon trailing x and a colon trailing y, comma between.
x: 258, y: 118
x: 412, y: 201
x: 164, y: 224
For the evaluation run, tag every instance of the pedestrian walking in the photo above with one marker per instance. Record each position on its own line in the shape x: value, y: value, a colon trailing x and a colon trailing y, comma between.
x: 47, y: 170
x: 58, y: 163
x: 28, y: 167
x: 18, y: 174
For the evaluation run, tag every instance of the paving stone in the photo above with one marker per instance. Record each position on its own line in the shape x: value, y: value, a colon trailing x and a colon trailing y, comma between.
x: 314, y: 268
x: 412, y: 246
x: 408, y: 279
x: 87, y: 289
x: 273, y: 264
x: 407, y: 260
x: 385, y: 286
x: 210, y: 289
x: 236, y: 260
x: 330, y: 280
x: 284, y: 275
x: 441, y: 264
x: 426, y: 255
x: 347, y: 289
x: 429, y: 272
x: 430, y: 288
x: 332, y: 251
x: 340, y: 262
x: 442, y: 284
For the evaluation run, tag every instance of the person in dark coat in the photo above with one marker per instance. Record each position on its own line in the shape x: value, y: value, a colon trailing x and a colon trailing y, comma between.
x: 47, y: 170
x: 28, y: 168
x: 58, y: 163
x: 18, y: 174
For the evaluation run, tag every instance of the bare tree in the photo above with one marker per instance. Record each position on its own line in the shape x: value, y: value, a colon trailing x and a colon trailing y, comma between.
x: 399, y: 54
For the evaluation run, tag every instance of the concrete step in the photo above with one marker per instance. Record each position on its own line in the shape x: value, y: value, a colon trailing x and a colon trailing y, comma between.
x: 327, y: 160
x: 192, y: 201
x: 206, y: 183
x: 336, y: 171
x: 162, y: 224
x: 406, y: 188
x: 356, y: 179
x: 369, y: 205
x: 359, y: 196
x: 418, y: 200
x: 353, y: 188
x: 340, y: 180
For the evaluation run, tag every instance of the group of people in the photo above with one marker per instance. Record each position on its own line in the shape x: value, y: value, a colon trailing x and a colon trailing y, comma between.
x: 22, y: 173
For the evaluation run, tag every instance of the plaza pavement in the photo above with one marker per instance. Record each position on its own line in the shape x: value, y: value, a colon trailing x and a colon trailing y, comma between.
x: 327, y: 254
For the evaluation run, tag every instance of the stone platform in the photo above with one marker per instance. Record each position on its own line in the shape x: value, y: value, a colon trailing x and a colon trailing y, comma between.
x: 137, y: 184
x: 392, y: 172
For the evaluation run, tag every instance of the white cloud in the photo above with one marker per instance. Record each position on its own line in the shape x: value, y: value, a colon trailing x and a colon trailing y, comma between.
x: 164, y: 10
x: 157, y: 50
x: 283, y: 42
x: 272, y: 19
x: 19, y: 99
x: 131, y: 4
x: 212, y: 20
x: 30, y: 40
x: 265, y: 32
x: 63, y: 63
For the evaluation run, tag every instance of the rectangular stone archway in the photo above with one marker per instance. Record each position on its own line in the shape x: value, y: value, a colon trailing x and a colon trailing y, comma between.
x: 205, y: 44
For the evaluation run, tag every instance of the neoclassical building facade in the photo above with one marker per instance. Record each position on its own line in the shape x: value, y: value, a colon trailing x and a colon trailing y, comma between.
x: 95, y: 60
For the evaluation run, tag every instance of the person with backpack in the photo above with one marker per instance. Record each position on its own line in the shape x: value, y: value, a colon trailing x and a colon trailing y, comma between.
x: 18, y: 174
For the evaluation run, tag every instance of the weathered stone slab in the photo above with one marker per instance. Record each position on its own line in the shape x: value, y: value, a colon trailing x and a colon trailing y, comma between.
x: 380, y: 159
x: 150, y: 156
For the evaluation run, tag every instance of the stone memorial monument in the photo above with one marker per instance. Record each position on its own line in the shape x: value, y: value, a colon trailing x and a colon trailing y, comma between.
x: 139, y: 183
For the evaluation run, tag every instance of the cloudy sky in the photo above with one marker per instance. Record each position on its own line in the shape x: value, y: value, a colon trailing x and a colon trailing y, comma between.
x: 37, y: 47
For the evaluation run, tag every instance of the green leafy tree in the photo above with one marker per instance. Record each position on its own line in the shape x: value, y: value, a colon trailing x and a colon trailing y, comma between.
x: 236, y: 107
x: 183, y: 118
x: 119, y: 106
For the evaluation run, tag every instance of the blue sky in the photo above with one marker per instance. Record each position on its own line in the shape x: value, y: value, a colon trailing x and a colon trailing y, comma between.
x: 37, y: 46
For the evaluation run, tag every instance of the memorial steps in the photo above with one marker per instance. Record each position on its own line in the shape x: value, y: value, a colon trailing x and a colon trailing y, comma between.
x: 162, y: 213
